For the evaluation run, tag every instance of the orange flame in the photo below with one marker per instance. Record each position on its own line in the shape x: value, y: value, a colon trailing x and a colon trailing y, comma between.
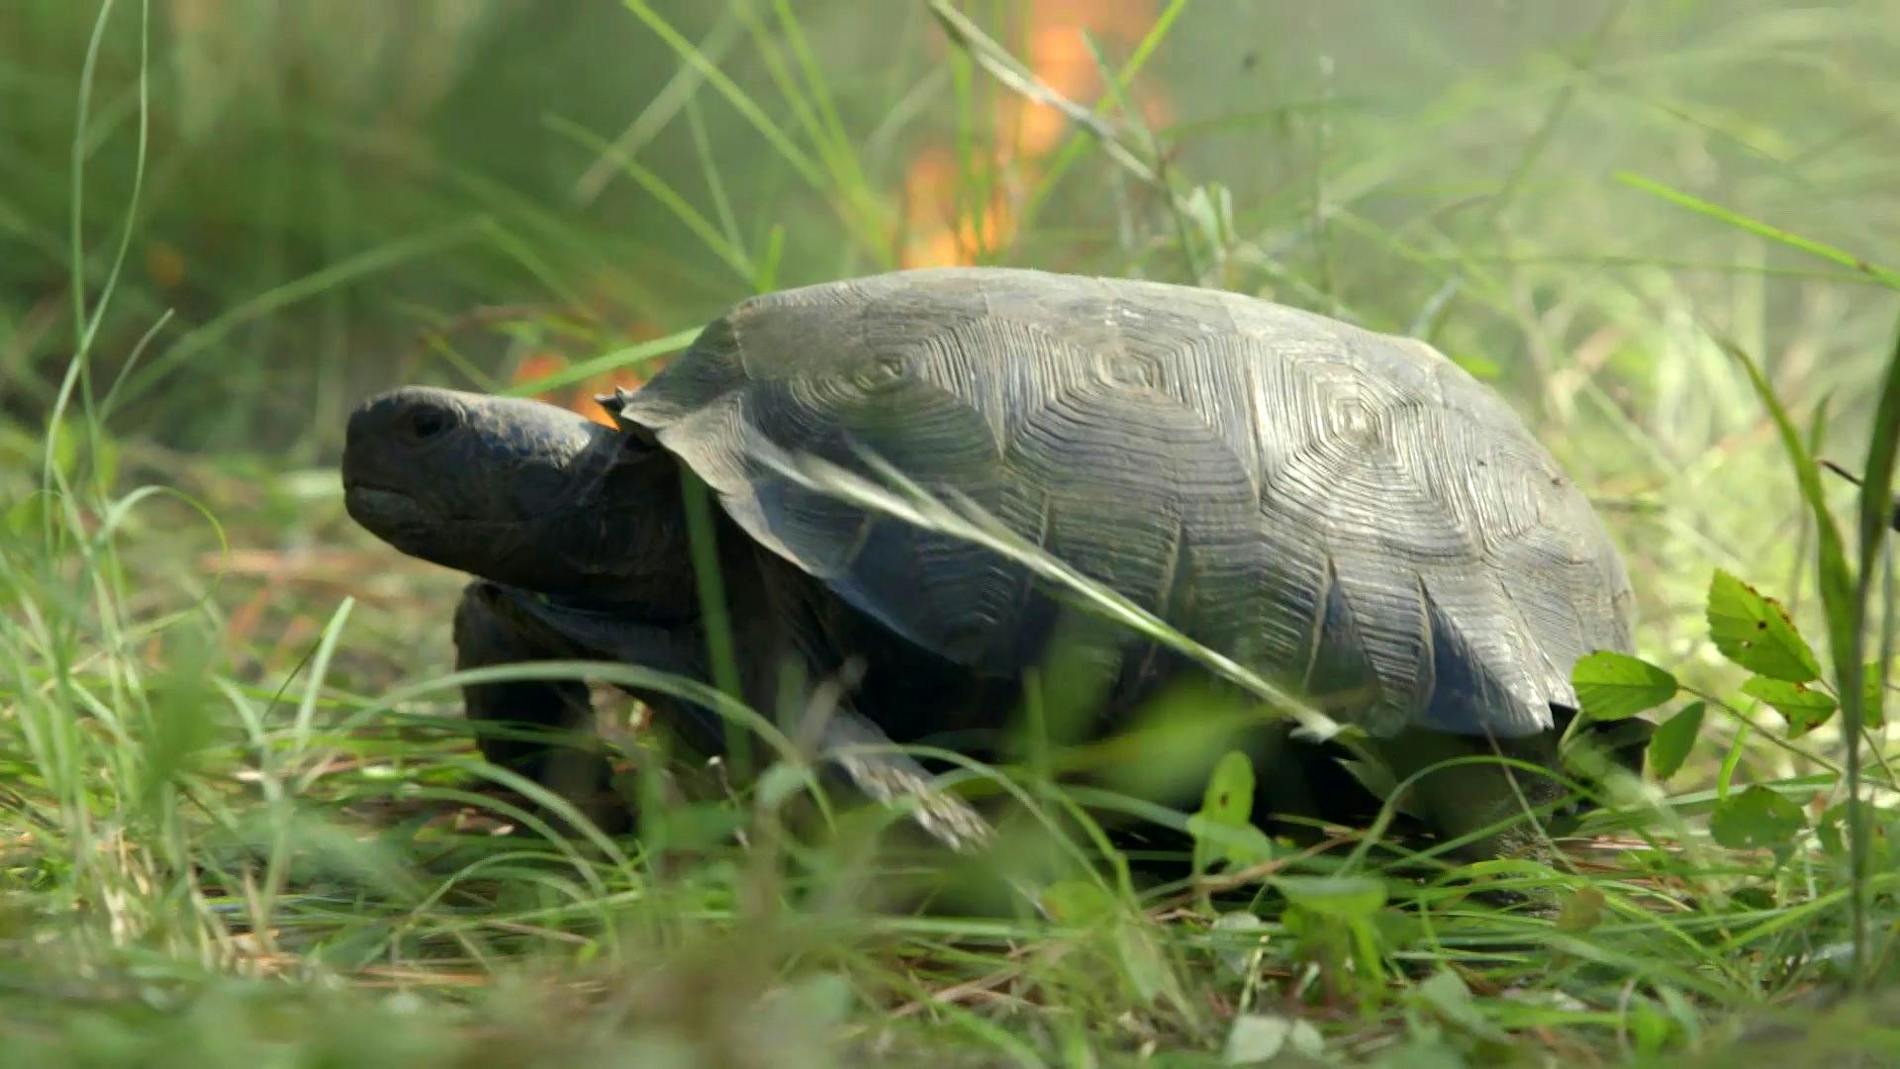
x: 944, y: 230
x: 579, y: 397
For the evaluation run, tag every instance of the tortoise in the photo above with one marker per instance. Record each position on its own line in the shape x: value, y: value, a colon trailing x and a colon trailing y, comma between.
x: 1349, y: 513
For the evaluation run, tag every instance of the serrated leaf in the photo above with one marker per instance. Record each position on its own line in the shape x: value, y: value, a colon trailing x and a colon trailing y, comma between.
x: 1669, y: 747
x: 1756, y: 818
x: 1615, y: 686
x: 1754, y: 631
x: 1804, y: 707
x: 1127, y: 935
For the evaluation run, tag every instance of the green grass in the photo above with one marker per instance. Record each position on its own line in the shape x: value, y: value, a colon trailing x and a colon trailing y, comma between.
x: 241, y: 822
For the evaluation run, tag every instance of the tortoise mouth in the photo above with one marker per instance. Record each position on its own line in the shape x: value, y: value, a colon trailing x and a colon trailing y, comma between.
x: 401, y: 517
x: 387, y: 511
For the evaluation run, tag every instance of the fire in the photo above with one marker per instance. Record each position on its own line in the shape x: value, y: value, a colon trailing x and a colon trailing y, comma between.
x: 940, y: 230
x: 944, y: 230
x: 952, y: 218
x: 579, y: 397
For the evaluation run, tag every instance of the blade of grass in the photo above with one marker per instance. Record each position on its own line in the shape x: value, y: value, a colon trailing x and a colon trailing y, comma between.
x: 1072, y: 148
x: 737, y: 97
x: 86, y: 327
x: 656, y: 187
x: 863, y: 208
x: 362, y: 265
x: 715, y: 186
x: 631, y: 356
x: 820, y: 88
x: 1883, y: 275
x: 710, y: 583
x: 301, y: 728
x: 1005, y: 68
x: 906, y: 501
x: 677, y: 92
x: 1842, y: 599
x: 1876, y: 512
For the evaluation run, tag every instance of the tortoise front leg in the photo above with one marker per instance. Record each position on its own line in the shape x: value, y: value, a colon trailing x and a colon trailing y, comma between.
x: 499, y: 625
x: 496, y: 624
x: 508, y: 711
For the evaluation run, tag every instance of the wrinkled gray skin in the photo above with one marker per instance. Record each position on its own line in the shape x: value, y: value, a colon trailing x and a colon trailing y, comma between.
x: 524, y: 494
x: 527, y: 498
x: 532, y: 500
x: 576, y: 536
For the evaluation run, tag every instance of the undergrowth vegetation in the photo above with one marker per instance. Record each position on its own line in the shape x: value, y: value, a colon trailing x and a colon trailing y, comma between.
x: 240, y: 818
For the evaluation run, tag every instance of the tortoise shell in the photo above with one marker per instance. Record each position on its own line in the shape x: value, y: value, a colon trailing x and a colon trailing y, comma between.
x: 1347, y: 512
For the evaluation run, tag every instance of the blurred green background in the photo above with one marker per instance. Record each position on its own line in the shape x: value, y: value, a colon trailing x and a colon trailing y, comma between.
x: 1573, y: 198
x: 341, y: 195
x: 346, y: 194
x: 333, y: 188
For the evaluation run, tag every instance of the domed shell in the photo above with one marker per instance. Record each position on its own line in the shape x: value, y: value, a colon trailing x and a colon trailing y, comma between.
x: 1349, y: 513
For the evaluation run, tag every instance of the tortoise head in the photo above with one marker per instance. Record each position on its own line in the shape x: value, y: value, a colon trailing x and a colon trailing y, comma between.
x: 516, y: 491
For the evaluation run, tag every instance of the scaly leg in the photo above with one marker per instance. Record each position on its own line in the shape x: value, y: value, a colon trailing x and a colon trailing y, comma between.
x: 507, y: 711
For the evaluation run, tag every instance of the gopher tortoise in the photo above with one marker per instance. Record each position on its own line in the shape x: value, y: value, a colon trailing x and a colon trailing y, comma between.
x: 1348, y: 514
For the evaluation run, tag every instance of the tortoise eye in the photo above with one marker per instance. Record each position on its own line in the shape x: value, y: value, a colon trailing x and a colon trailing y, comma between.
x: 427, y: 421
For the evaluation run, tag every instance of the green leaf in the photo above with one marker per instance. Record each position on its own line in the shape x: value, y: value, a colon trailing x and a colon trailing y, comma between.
x: 1805, y: 707
x: 1883, y: 830
x: 1873, y: 691
x: 1614, y: 686
x: 1423, y: 1052
x: 1841, y: 599
x: 1754, y: 631
x: 1239, y: 846
x: 1258, y: 1038
x: 1479, y: 367
x: 1649, y: 1027
x: 823, y: 999
x: 1229, y: 795
x: 1581, y: 910
x: 1669, y: 746
x: 1345, y: 898
x: 1238, y: 936
x: 1078, y: 902
x: 1224, y: 829
x: 1445, y: 992
x: 1834, y: 254
x: 778, y: 783
x: 1144, y: 962
x: 1757, y: 818
x: 1377, y: 778
x: 1879, y: 511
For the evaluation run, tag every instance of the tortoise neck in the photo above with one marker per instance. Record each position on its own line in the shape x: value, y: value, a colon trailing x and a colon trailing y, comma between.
x: 622, y: 541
